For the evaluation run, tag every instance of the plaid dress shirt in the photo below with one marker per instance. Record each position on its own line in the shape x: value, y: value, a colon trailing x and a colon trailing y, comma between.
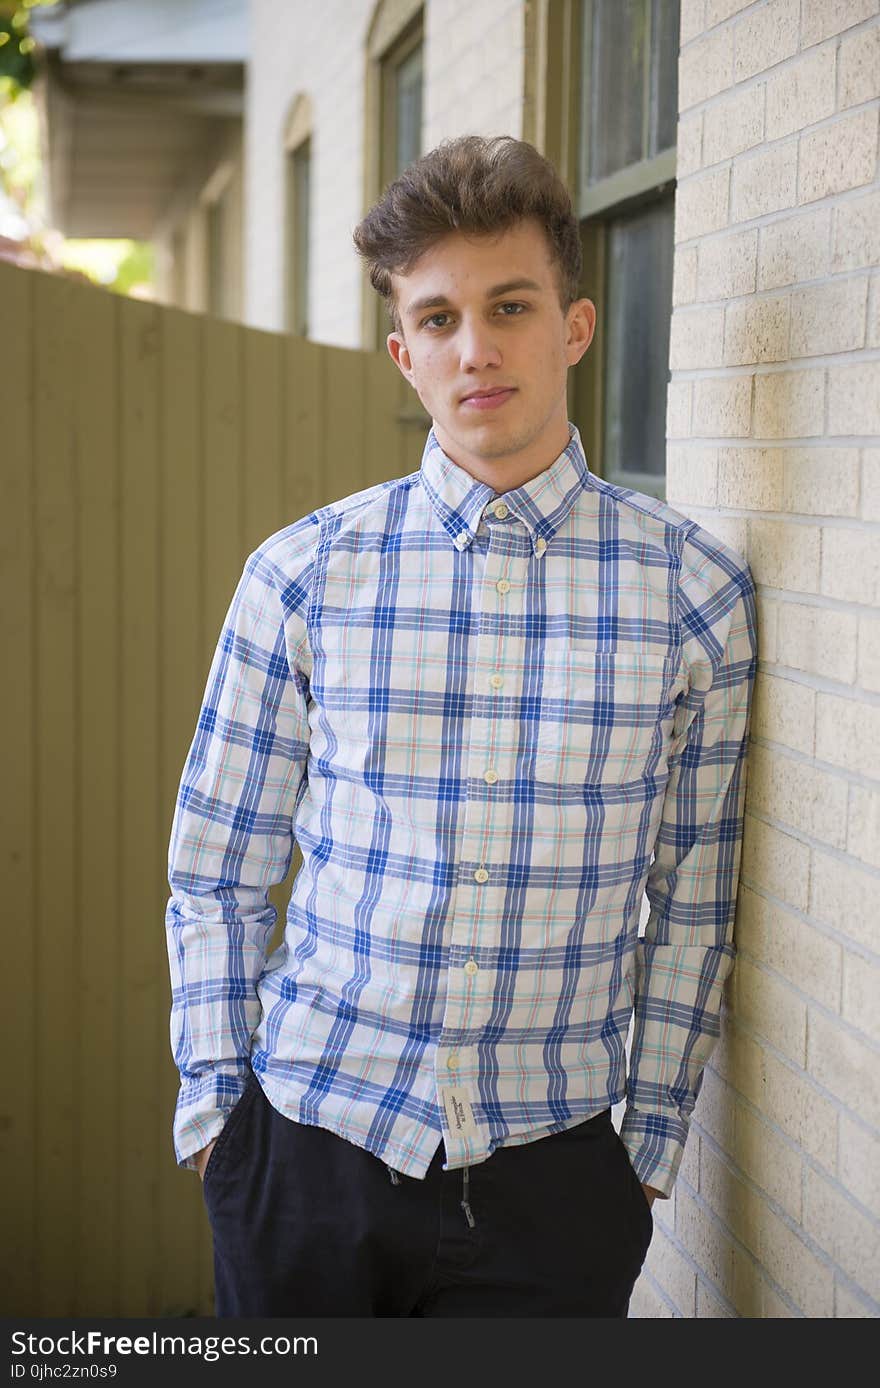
x: 492, y: 723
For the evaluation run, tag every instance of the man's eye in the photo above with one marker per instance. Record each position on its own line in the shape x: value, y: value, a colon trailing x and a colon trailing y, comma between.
x: 435, y: 316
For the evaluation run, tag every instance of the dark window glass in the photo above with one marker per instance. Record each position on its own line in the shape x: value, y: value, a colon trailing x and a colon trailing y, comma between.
x: 639, y: 299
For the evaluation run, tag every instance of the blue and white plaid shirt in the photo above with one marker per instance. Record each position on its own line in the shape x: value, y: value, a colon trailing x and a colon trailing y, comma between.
x: 491, y: 723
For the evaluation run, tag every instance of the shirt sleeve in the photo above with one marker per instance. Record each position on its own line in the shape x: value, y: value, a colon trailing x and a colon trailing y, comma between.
x: 232, y: 836
x: 688, y: 947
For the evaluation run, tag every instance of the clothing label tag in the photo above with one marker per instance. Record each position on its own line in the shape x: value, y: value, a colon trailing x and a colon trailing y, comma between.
x: 458, y: 1113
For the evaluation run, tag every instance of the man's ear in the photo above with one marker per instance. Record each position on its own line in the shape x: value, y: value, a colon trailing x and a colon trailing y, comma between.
x: 399, y: 354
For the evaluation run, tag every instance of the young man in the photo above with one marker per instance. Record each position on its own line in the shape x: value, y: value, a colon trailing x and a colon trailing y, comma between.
x: 494, y: 701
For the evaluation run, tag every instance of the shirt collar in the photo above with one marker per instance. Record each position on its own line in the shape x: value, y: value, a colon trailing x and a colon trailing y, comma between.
x: 542, y: 503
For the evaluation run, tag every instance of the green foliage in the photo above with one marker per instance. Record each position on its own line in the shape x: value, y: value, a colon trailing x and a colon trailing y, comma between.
x: 17, y: 66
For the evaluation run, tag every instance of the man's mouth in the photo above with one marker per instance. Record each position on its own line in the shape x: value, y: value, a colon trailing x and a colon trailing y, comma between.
x: 489, y: 399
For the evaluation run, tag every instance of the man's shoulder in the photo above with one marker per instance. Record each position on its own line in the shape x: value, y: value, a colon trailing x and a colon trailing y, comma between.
x: 695, y: 547
x: 299, y: 541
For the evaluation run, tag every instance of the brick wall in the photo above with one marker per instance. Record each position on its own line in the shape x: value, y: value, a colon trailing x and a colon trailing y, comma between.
x: 773, y: 424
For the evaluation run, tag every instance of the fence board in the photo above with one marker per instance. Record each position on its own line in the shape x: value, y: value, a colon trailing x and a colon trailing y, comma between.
x: 56, y: 925
x: 94, y: 372
x: 144, y: 968
x: 18, y: 1115
x: 184, y: 1236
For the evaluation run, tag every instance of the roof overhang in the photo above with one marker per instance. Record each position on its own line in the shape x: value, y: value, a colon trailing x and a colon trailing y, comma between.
x: 122, y: 126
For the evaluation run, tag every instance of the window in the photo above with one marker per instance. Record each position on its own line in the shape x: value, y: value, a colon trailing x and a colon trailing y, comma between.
x: 628, y: 110
x: 297, y: 217
x: 394, y: 53
x: 298, y: 185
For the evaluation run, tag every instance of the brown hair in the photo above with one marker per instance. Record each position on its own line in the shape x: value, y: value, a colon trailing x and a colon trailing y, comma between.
x: 476, y: 184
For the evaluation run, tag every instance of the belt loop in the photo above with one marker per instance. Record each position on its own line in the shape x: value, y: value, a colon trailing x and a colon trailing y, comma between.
x: 393, y: 1176
x: 465, y: 1184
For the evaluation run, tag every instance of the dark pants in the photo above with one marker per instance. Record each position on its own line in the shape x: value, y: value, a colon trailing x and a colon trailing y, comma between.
x: 308, y: 1224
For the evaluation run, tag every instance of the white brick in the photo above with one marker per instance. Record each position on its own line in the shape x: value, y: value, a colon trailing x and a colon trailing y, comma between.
x: 850, y: 565
x: 678, y: 410
x: 828, y: 318
x: 868, y: 673
x: 823, y: 18
x: 849, y: 1306
x: 701, y: 204
x: 789, y: 404
x: 733, y: 1201
x: 673, y: 1272
x: 777, y: 862
x: 710, y: 1306
x: 848, y: 1235
x: 772, y: 935
x: 689, y: 144
x: 820, y: 640
x: 722, y: 406
x: 848, y: 733
x: 756, y: 330
x: 770, y: 1162
x: 808, y: 1281
x: 705, y: 67
x: 871, y: 484
x: 684, y: 275
x: 764, y: 182
x: 794, y: 793
x: 707, y: 1243
x: 859, y: 1162
x: 765, y: 1002
x: 727, y: 265
x: 794, y: 249
x: 719, y: 10
x: 766, y: 36
x: 692, y: 474
x: 821, y: 482
x: 845, y: 1066
x: 732, y: 124
x: 800, y: 94
x: 861, y: 995
x: 750, y: 478
x: 785, y: 555
x: 838, y: 156
x: 693, y: 20
x: 696, y: 338
x: 646, y: 1303
x: 854, y: 398
x: 844, y: 896
x: 856, y: 232
x: 783, y: 710
x: 863, y: 829
x: 714, y: 1111
x: 859, y: 67
x: 768, y: 624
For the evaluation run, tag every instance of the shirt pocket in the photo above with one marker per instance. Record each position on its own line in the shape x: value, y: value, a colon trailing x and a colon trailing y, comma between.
x: 602, y: 717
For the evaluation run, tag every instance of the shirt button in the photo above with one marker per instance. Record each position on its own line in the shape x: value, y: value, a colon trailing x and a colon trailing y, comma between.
x: 496, y: 681
x: 502, y: 585
x: 452, y: 1062
x: 471, y: 967
x: 481, y: 875
x: 501, y: 510
x: 491, y: 777
x: 461, y: 538
x: 540, y: 544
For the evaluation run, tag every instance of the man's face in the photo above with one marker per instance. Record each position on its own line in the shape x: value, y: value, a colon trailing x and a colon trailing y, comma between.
x: 478, y: 333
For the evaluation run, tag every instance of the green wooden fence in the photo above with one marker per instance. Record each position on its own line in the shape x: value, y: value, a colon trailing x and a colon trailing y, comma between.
x: 145, y: 452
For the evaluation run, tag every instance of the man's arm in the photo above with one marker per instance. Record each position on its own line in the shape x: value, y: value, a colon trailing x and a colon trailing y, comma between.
x: 232, y: 836
x: 688, y: 947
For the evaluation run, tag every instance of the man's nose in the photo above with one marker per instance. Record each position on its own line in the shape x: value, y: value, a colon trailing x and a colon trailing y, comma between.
x: 478, y: 344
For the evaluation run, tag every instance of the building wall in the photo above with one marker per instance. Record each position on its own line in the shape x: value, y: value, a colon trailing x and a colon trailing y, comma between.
x: 322, y: 50
x: 182, y: 239
x: 773, y: 423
